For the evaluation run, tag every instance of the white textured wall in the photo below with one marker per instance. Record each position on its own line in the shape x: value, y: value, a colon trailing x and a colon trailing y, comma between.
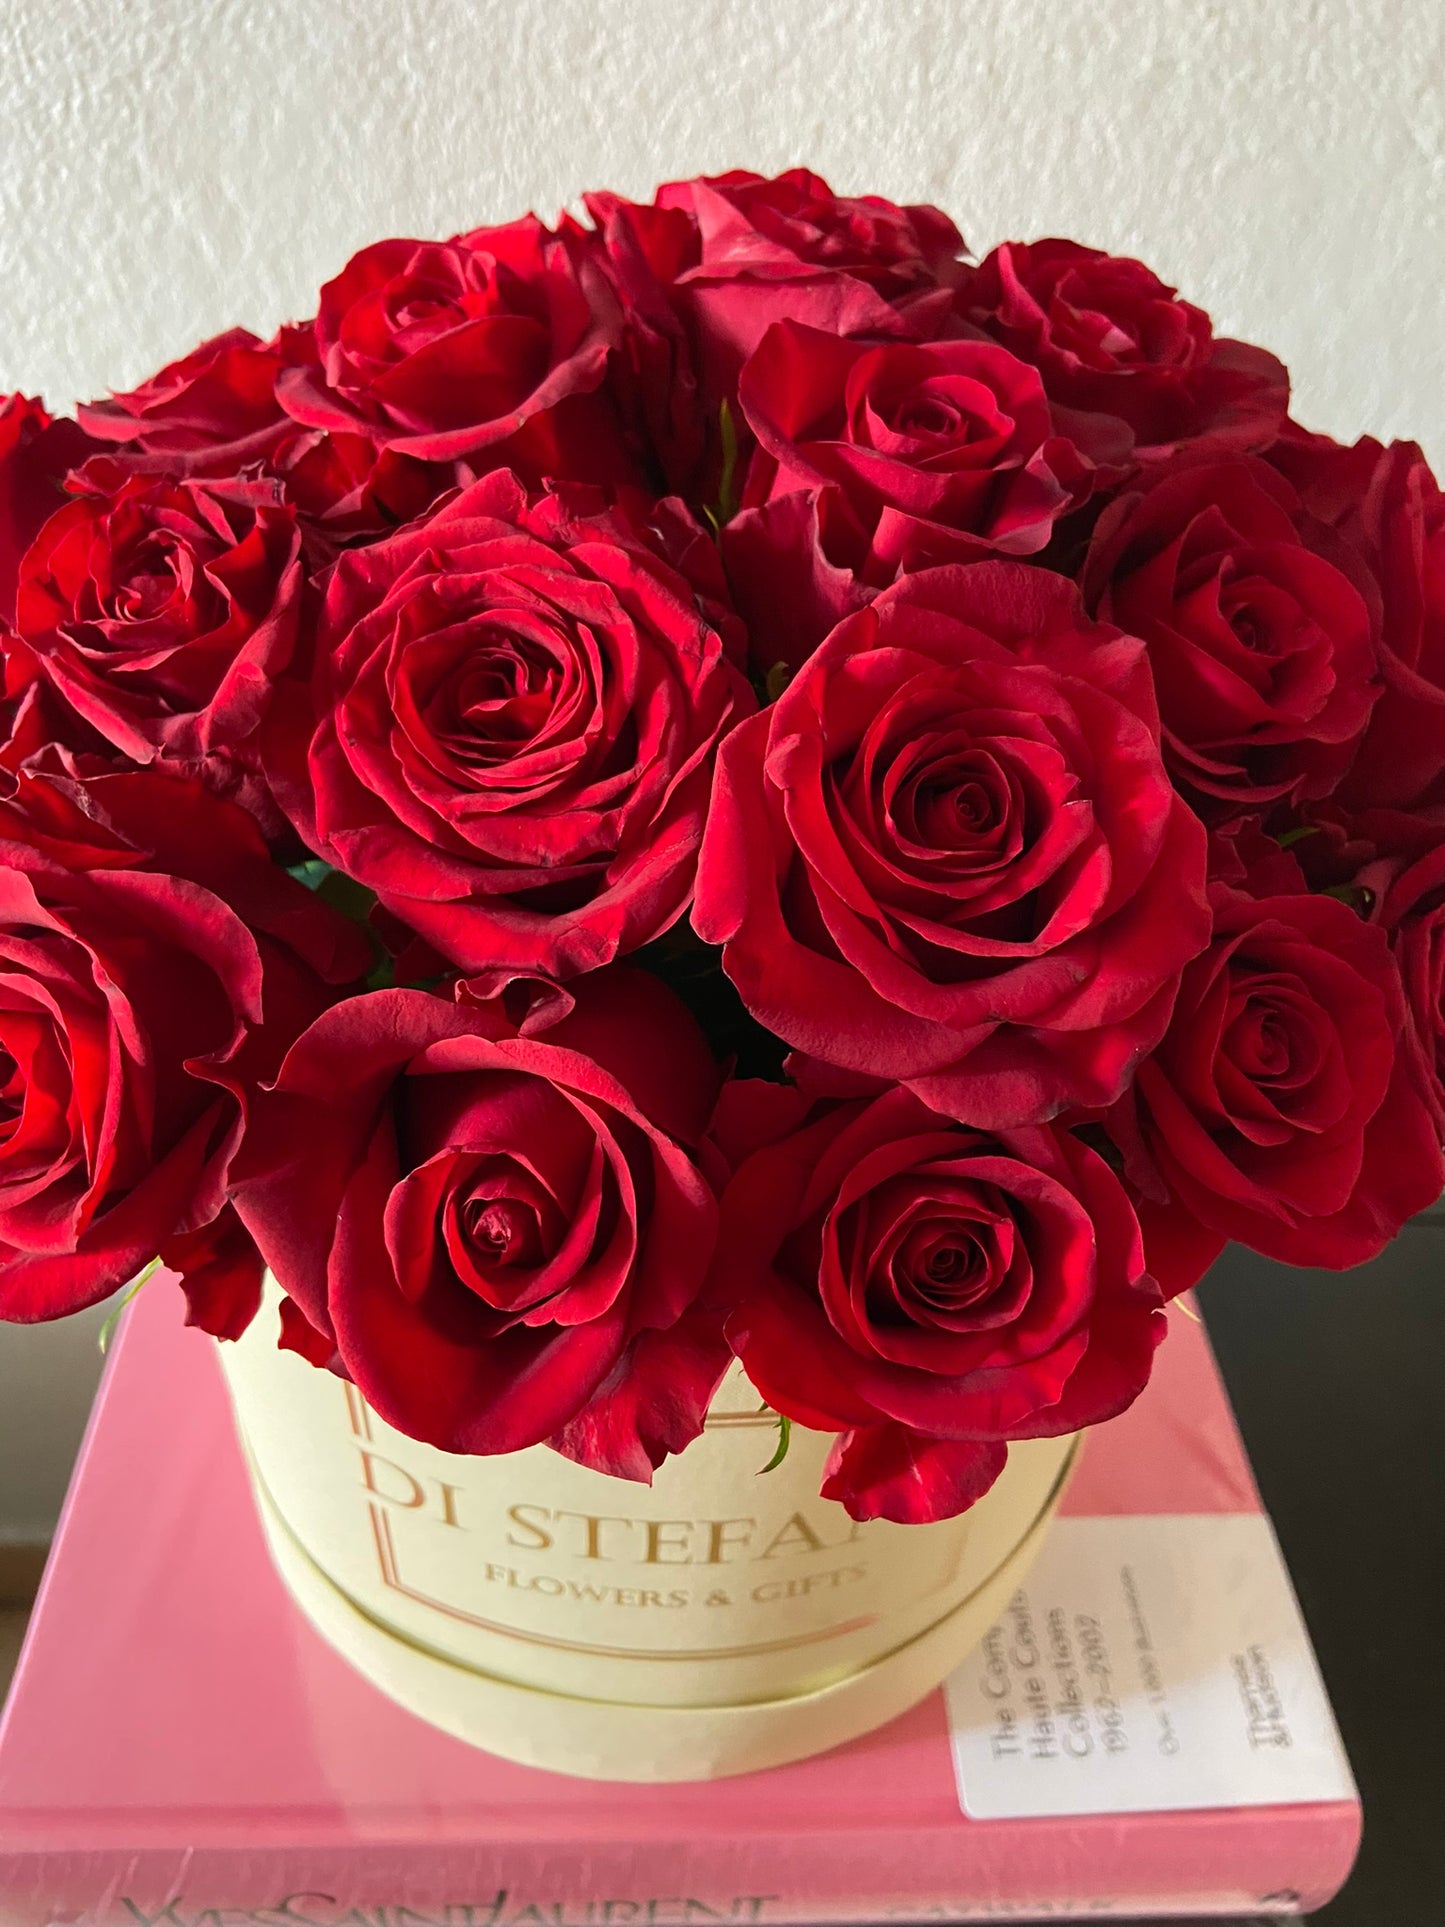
x: 169, y: 167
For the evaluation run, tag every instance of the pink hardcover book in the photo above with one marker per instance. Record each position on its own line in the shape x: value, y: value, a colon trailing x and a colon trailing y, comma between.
x: 1144, y: 1732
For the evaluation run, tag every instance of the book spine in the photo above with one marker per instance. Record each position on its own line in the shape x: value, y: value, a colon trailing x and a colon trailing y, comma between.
x: 1155, y: 1871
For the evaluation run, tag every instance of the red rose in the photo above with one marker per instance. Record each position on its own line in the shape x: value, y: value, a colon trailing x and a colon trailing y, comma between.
x: 216, y: 412
x: 931, y: 1291
x: 1387, y: 503
x: 210, y: 414
x: 949, y: 852
x: 792, y: 249
x: 491, y: 347
x: 1109, y: 337
x: 36, y: 453
x: 137, y: 1009
x: 1284, y: 1107
x: 1388, y: 865
x: 161, y: 611
x: 876, y: 459
x: 705, y: 270
x: 1259, y: 630
x: 1412, y: 910
x: 500, y: 1239
x: 517, y: 711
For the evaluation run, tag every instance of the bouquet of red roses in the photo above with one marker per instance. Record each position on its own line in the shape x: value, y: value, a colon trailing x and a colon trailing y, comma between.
x: 726, y: 782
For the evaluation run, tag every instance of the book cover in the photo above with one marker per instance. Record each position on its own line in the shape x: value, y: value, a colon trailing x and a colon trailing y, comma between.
x: 1143, y: 1733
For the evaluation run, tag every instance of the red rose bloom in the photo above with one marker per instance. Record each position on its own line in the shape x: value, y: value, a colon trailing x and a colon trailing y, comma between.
x: 1111, y: 338
x: 705, y: 270
x: 216, y: 412
x: 930, y: 1292
x: 741, y: 251
x: 791, y: 227
x: 875, y: 459
x: 211, y: 413
x: 1284, y: 1107
x: 490, y: 347
x: 1259, y: 629
x: 1412, y: 910
x: 153, y: 965
x: 517, y: 711
x: 161, y: 611
x: 949, y: 853
x: 36, y: 452
x: 500, y: 1239
x: 791, y: 249
x: 1396, y: 516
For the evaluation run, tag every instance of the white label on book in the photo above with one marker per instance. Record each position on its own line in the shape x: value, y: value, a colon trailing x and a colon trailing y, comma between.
x: 1148, y: 1664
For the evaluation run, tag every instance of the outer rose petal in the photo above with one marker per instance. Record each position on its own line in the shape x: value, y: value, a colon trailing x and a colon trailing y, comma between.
x: 1178, y: 1248
x: 211, y: 413
x: 888, y: 1472
x: 299, y: 1335
x: 653, y: 1402
x: 220, y: 1271
x: 188, y: 1183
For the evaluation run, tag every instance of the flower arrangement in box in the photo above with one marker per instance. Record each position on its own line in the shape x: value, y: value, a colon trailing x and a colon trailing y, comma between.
x: 726, y: 790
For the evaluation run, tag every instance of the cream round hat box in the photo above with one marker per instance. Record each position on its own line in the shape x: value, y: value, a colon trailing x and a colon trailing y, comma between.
x: 721, y: 1620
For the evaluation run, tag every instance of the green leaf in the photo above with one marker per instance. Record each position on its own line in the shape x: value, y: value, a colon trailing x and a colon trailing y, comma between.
x: 777, y: 680
x: 312, y: 871
x: 107, y: 1330
x: 1357, y: 896
x: 1297, y: 835
x: 727, y: 488
x: 785, y: 1439
x: 335, y: 887
x: 345, y: 894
